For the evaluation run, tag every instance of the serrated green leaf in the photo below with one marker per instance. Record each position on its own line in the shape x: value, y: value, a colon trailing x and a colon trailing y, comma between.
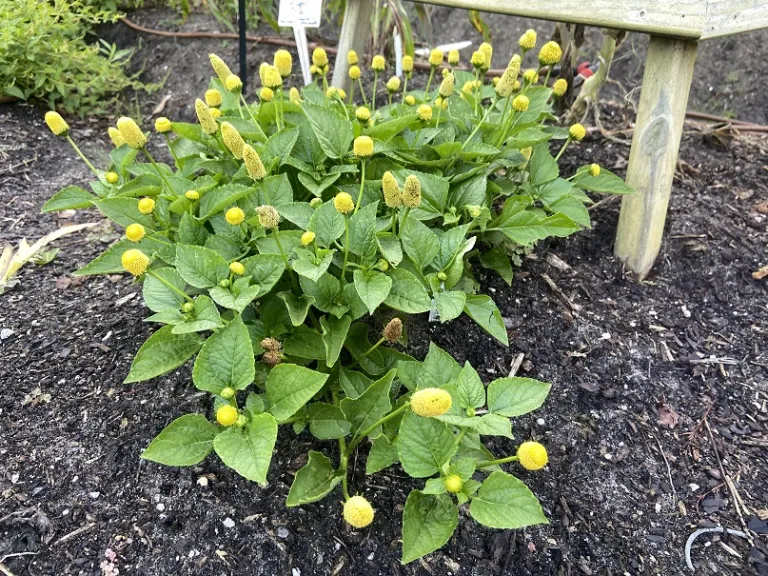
x: 184, y: 442
x: 200, y: 267
x: 327, y: 224
x: 289, y: 387
x: 334, y: 132
x: 313, y: 482
x: 407, y: 293
x: 326, y: 421
x: 248, y: 450
x: 424, y: 445
x: 226, y: 360
x: 161, y: 353
x: 450, y: 304
x: 297, y: 307
x: 368, y: 408
x: 69, y: 198
x: 512, y: 397
x: 382, y: 455
x: 206, y: 317
x: 505, y: 502
x: 373, y: 288
x: 265, y: 270
x: 429, y: 521
x: 334, y: 335
x: 419, y: 242
x: 157, y: 295
x: 483, y: 310
x: 470, y: 391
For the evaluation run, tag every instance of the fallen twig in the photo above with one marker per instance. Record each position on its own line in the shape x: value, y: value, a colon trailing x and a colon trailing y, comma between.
x: 75, y: 533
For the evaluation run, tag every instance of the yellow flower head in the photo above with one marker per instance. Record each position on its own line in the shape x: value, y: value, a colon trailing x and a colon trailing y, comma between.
x: 56, y: 123
x: 446, y: 86
x: 342, y: 93
x: 425, y: 112
x: 131, y: 133
x: 192, y: 195
x: 408, y: 65
x: 266, y: 94
x: 232, y: 139
x: 363, y: 114
x: 550, y: 54
x: 506, y: 84
x: 283, y: 63
x: 478, y: 59
x: 560, y: 87
x: 253, y: 164
x: 393, y: 330
x: 392, y: 195
x: 215, y: 112
x: 332, y: 93
x: 307, y: 238
x: 220, y: 67
x: 487, y: 51
x: 495, y: 81
x: 235, y: 216
x: 112, y: 177
x: 163, y: 125
x: 135, y: 261
x: 272, y: 78
x: 237, y: 268
x: 441, y: 102
x: 213, y: 98
x: 135, y: 232
x: 343, y: 203
x: 378, y: 63
x: 319, y: 58
x: 393, y: 84
x: 294, y: 95
x: 352, y: 58
x: 430, y: 402
x: 358, y: 512
x: 313, y: 70
x: 269, y: 217
x: 521, y: 103
x: 146, y: 205
x: 363, y: 146
x: 207, y: 121
x: 354, y: 72
x: 412, y: 192
x: 227, y: 415
x: 453, y: 57
x: 515, y: 63
x: 594, y: 170
x: 454, y: 483
x: 115, y: 136
x: 234, y: 84
x: 528, y: 40
x: 577, y: 132
x: 435, y: 57
x: 532, y: 455
x: 410, y: 100
x: 382, y: 265
x: 531, y: 76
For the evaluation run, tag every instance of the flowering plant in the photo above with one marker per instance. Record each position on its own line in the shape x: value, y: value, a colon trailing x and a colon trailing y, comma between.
x: 282, y: 224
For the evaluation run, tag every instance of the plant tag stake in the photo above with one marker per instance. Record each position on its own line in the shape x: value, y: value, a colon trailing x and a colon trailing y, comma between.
x: 301, y: 14
x: 434, y: 315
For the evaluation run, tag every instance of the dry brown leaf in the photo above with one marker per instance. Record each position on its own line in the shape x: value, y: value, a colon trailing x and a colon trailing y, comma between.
x: 668, y: 417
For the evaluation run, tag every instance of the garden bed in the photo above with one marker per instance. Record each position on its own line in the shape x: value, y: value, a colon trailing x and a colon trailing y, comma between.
x: 634, y: 368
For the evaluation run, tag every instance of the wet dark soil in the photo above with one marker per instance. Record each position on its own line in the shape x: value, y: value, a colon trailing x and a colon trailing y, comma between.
x: 641, y: 374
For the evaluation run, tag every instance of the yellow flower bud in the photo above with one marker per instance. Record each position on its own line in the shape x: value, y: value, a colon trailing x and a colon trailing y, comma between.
x: 253, y: 164
x: 594, y: 170
x: 319, y: 58
x: 531, y: 76
x: 363, y: 114
x: 407, y: 64
x: 294, y: 95
x: 515, y: 63
x: 478, y: 59
x: 412, y: 192
x: 528, y: 40
x: 358, y: 512
x: 429, y: 402
x: 213, y: 98
x: 235, y: 216
x: 266, y: 94
x: 393, y: 330
x: 234, y: 84
x: 392, y: 195
x: 115, y: 136
x: 56, y: 123
x: 192, y: 195
x: 354, y: 72
x: 352, y: 58
x: 215, y: 113
x: 446, y: 86
x: 454, y: 483
x: 112, y: 177
x: 283, y: 63
x: 378, y: 63
x: 146, y: 205
x: 342, y: 94
x: 135, y: 261
x: 560, y: 87
x: 343, y: 203
x: 269, y: 217
x: 532, y: 455
x: 577, y: 132
x: 232, y: 139
x: 495, y: 81
x: 314, y: 70
x: 332, y: 93
x: 393, y: 84
x: 227, y: 415
x: 227, y: 392
x: 307, y: 238
x: 363, y: 147
x: 131, y: 133
x: 237, y: 268
x: 272, y: 78
x: 163, y: 125
x: 435, y: 57
x: 550, y: 54
x: 135, y: 232
x: 521, y: 103
x: 425, y: 112
x: 410, y: 100
x: 207, y: 121
x: 453, y: 57
x: 487, y: 51
x: 220, y: 67
x: 315, y: 203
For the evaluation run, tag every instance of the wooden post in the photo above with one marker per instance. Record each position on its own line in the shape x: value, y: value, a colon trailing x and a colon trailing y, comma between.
x: 354, y: 35
x: 653, y: 159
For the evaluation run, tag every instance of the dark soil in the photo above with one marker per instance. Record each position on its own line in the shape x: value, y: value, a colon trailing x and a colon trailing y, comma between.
x: 639, y: 373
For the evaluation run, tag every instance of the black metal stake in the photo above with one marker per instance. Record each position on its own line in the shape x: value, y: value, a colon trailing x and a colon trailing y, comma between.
x: 241, y: 42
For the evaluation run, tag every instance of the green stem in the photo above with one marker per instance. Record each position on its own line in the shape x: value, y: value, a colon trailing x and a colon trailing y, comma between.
x: 362, y: 435
x: 546, y: 78
x: 170, y: 286
x: 346, y: 248
x: 475, y: 92
x: 82, y: 156
x: 285, y: 259
x: 362, y: 91
x: 405, y: 217
x: 503, y: 118
x: 344, y: 462
x: 362, y: 185
x: 485, y: 117
x: 394, y: 220
x: 373, y: 91
x: 240, y: 108
x: 490, y: 463
x: 157, y: 168
x: 325, y: 85
x: 248, y: 109
x: 405, y: 87
x: 168, y: 142
x: 563, y: 149
x: 352, y: 94
x: 429, y: 81
x: 389, y: 98
x: 369, y: 351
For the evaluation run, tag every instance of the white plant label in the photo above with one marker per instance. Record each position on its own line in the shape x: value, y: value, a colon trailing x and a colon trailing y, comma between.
x: 300, y: 13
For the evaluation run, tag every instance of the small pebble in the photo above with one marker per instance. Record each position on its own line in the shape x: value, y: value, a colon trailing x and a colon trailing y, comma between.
x: 283, y: 533
x: 6, y: 333
x: 228, y: 522
x: 160, y: 507
x: 540, y: 421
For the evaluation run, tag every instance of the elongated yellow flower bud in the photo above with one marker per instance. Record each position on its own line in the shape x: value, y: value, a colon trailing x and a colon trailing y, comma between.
x: 294, y: 95
x: 521, y: 103
x: 342, y: 94
x: 253, y: 164
x: 429, y: 402
x: 453, y: 57
x: 163, y: 125
x: 425, y: 112
x: 363, y: 114
x: 235, y: 216
x: 56, y: 123
x: 352, y: 58
x: 393, y: 330
x: 234, y: 84
x: 343, y: 203
x: 272, y: 78
x: 115, y: 136
x: 550, y: 54
x: 412, y: 192
x: 220, y: 67
x: 407, y: 64
x: 307, y: 238
x: 487, y: 51
x: 227, y: 415
x: 560, y: 87
x: 135, y: 261
x: 392, y: 195
x: 232, y: 139
x: 131, y: 133
x: 314, y: 70
x: 135, y: 232
x: 319, y: 58
x: 528, y: 40
x: 268, y: 216
x: 354, y: 72
x: 435, y: 57
x: 283, y: 62
x: 393, y: 84
x: 515, y: 63
x: 213, y: 98
x: 577, y: 132
x: 532, y: 455
x: 446, y: 86
x: 266, y: 94
x: 358, y: 512
x: 506, y: 84
x: 207, y: 121
x: 378, y: 63
x: 237, y: 268
x: 146, y: 205
x: 363, y: 146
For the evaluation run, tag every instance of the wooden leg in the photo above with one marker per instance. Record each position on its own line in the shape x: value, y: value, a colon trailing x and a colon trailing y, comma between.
x: 653, y: 159
x: 354, y: 35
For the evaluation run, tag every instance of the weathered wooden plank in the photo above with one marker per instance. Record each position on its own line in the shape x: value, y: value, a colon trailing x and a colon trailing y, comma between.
x: 354, y: 36
x: 653, y: 159
x: 674, y: 18
x: 726, y: 17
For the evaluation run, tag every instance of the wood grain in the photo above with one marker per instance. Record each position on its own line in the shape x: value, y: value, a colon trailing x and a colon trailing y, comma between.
x: 354, y: 36
x: 727, y: 17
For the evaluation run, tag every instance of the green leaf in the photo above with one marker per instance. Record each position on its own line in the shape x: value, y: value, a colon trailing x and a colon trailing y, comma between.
x: 512, y: 397
x: 424, y: 444
x: 298, y: 213
x: 373, y: 287
x: 305, y: 343
x: 497, y: 260
x: 492, y: 425
x: 407, y: 293
x: 434, y: 192
x: 297, y: 307
x: 69, y: 198
x: 265, y: 270
x: 216, y: 200
x: 327, y: 224
x: 124, y: 212
x: 368, y: 408
x: 606, y: 183
x: 390, y: 248
x: 362, y: 233
x: 382, y: 455
x: 389, y: 129
x: 451, y: 243
x: 289, y: 387
x: 207, y: 317
x: 434, y: 486
x: 334, y: 334
x: 226, y: 360
x: 327, y: 294
x: 543, y: 167
x: 419, y: 242
x: 439, y: 368
x: 248, y: 450
x: 275, y: 191
x: 573, y: 208
x: 353, y: 383
x: 429, y: 521
x: 450, y: 305
x: 227, y: 298
x: 184, y: 442
x: 315, y: 187
x: 191, y: 231
x: 470, y: 392
x: 333, y: 131
x: 313, y: 482
x: 505, y: 502
x: 308, y: 267
x: 484, y: 311
x: 200, y: 267
x: 157, y: 296
x: 470, y: 192
x: 161, y: 353
x: 326, y: 421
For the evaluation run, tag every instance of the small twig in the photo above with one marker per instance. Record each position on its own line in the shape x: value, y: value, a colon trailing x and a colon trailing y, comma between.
x: 669, y: 469
x: 75, y: 533
x: 515, y: 366
x: 575, y: 308
x: 604, y: 202
x: 701, y: 531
